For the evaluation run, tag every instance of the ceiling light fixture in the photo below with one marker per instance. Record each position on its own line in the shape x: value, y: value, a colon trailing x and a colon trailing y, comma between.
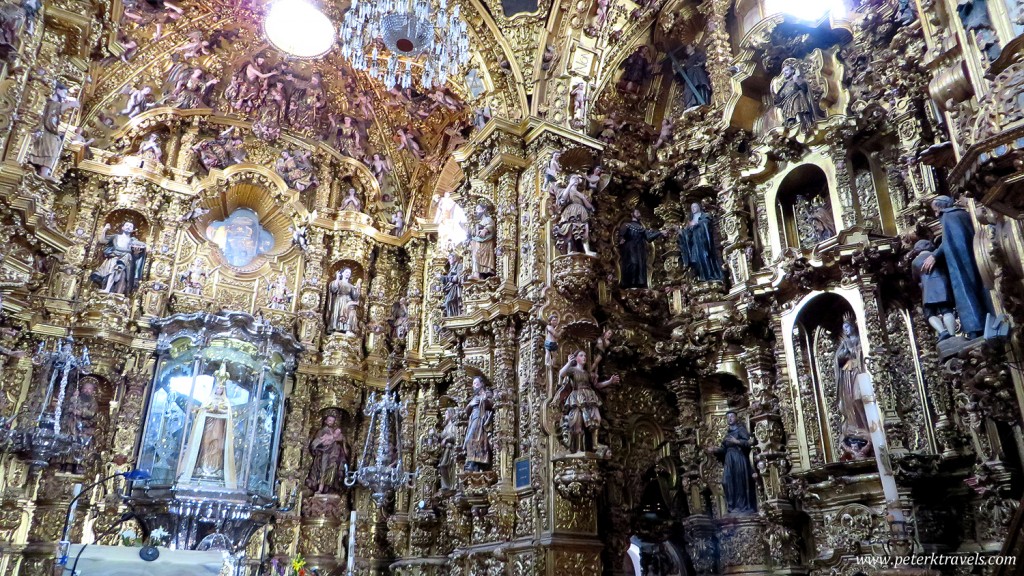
x: 378, y: 36
x: 299, y: 29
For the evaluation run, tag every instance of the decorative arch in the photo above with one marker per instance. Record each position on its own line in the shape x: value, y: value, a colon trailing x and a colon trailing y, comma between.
x: 807, y: 329
x: 783, y: 190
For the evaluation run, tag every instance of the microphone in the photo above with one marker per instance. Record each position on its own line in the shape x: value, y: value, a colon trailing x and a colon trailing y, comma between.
x: 65, y: 544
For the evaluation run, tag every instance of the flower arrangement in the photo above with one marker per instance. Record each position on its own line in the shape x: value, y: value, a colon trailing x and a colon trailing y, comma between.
x: 129, y: 537
x: 158, y: 537
x: 295, y: 567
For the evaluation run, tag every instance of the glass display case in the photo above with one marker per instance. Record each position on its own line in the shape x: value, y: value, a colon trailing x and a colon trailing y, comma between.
x: 213, y: 418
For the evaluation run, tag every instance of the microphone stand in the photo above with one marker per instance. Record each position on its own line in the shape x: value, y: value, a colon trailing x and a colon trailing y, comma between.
x: 65, y: 544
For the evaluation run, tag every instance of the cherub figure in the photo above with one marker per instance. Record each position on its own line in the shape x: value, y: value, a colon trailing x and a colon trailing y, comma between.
x: 397, y: 222
x: 665, y: 135
x: 193, y: 279
x: 139, y: 100
x: 196, y: 46
x: 552, y: 333
x: 195, y: 212
x: 407, y: 140
x: 579, y: 99
x: 380, y: 166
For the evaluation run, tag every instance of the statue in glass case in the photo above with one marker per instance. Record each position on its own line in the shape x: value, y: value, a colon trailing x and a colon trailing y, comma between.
x: 209, y: 454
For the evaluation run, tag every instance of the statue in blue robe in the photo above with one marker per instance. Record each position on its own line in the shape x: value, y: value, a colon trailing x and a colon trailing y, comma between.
x: 957, y: 252
x: 697, y: 248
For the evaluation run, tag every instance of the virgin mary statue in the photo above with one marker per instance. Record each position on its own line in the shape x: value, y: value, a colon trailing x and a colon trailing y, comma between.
x: 210, y: 453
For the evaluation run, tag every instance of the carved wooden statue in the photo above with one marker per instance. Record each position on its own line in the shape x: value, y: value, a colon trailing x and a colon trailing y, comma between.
x: 330, y: 452
x: 854, y: 429
x: 480, y: 411
x: 738, y: 474
x: 481, y: 244
x: 581, y: 407
x: 124, y: 261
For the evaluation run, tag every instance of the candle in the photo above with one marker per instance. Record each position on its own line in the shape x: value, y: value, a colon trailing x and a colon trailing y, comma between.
x: 351, y: 543
x: 75, y: 491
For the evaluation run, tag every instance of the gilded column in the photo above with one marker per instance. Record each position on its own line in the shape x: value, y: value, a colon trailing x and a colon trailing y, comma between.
x: 719, y: 49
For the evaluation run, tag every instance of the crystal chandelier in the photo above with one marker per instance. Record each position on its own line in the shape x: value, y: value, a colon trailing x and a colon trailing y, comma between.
x: 380, y: 465
x: 410, y: 31
x: 44, y: 441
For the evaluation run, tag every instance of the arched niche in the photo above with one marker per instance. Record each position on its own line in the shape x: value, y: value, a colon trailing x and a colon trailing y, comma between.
x: 245, y: 225
x: 810, y: 331
x: 871, y: 192
x: 802, y: 208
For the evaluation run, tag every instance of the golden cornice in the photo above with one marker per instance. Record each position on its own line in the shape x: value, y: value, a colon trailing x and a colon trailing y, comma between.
x: 121, y: 170
x: 509, y: 307
x: 537, y: 129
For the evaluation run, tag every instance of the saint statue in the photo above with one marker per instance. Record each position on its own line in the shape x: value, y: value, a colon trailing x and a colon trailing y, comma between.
x: 636, y: 71
x: 581, y: 406
x: 936, y: 293
x: 957, y: 252
x: 296, y: 168
x: 451, y: 221
x: 351, y: 202
x: 79, y: 415
x: 481, y: 244
x: 451, y: 284
x: 210, y: 452
x: 793, y: 99
x: 449, y: 444
x: 573, y: 228
x: 47, y: 139
x: 738, y: 475
x: 123, y: 260
x: 330, y: 456
x: 694, y: 75
x: 818, y: 224
x: 697, y: 248
x: 280, y: 295
x: 854, y: 430
x: 343, y: 303
x: 477, y: 444
x: 633, y: 240
x: 399, y: 320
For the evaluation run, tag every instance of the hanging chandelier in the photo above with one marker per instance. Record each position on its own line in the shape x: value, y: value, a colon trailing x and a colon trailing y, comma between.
x: 380, y: 465
x: 409, y: 31
x: 43, y: 439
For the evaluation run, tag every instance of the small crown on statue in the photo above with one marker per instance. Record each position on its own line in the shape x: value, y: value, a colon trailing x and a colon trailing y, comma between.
x: 849, y: 318
x: 331, y: 412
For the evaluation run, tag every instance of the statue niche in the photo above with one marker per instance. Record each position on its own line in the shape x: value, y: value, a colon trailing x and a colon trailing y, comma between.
x: 240, y: 237
x: 123, y: 255
x: 330, y: 451
x: 343, y: 303
x: 805, y: 208
x: 828, y: 343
